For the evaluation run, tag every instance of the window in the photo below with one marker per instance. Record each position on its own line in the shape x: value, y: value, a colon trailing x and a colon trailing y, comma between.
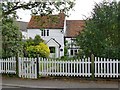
x: 52, y: 49
x: 42, y: 32
x: 73, y: 42
x: 45, y: 33
x: 73, y: 52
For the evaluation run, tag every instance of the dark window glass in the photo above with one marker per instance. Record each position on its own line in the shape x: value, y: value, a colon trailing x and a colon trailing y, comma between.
x: 75, y: 52
x: 71, y: 52
x: 52, y: 49
x: 47, y: 32
x: 42, y: 33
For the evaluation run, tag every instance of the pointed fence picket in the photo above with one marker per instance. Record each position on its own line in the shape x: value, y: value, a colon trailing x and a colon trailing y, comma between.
x: 79, y: 67
x: 8, y: 65
x: 28, y: 68
x: 106, y: 67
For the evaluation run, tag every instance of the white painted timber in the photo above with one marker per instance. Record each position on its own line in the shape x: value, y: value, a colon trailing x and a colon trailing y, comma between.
x: 64, y: 68
x: 8, y: 65
x: 105, y: 67
x: 56, y: 34
x: 28, y: 68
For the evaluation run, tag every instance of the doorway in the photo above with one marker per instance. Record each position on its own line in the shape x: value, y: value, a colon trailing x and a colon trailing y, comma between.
x: 52, y: 52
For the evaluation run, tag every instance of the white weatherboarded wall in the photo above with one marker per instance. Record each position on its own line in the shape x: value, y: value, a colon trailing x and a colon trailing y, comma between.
x: 72, y: 47
x: 56, y: 34
x: 52, y: 43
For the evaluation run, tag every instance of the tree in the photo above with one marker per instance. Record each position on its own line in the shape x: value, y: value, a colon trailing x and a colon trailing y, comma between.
x: 11, y: 38
x: 34, y: 41
x: 42, y: 7
x: 37, y: 40
x: 101, y: 33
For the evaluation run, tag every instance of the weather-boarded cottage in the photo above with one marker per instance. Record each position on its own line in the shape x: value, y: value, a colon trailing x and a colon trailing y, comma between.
x: 51, y: 29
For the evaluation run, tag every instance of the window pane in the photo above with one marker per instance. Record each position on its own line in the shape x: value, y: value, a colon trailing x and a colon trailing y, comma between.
x: 71, y: 52
x: 47, y: 32
x: 44, y: 32
x: 52, y: 49
x: 41, y: 32
x: 75, y: 52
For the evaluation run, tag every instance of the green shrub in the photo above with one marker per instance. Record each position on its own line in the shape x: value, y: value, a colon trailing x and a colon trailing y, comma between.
x: 41, y: 50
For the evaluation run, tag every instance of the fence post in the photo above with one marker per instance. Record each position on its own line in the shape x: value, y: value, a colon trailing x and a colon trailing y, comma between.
x: 92, y: 66
x: 17, y: 65
x: 37, y: 66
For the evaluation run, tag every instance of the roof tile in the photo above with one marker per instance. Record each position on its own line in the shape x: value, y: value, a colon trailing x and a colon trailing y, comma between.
x: 50, y: 21
x: 73, y: 27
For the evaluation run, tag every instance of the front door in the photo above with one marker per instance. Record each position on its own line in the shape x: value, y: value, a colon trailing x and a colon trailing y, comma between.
x: 52, y: 52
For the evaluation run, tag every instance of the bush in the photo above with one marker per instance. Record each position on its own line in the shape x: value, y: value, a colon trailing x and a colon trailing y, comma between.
x: 42, y: 50
x: 35, y: 47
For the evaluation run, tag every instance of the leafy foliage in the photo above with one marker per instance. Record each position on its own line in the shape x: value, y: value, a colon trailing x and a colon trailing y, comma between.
x: 11, y: 41
x: 37, y: 40
x: 65, y: 48
x: 42, y: 50
x: 36, y: 46
x: 101, y: 34
x: 41, y: 7
x: 11, y: 38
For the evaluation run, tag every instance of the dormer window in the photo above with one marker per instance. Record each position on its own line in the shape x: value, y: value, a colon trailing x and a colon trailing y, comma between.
x: 45, y: 33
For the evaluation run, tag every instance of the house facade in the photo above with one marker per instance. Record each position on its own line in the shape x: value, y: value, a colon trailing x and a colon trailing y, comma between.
x: 57, y: 32
x: 73, y: 28
x: 51, y: 29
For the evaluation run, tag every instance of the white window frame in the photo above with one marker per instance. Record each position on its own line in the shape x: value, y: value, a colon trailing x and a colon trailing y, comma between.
x: 45, y: 32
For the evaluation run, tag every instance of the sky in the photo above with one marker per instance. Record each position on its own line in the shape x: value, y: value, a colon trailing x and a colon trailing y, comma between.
x: 82, y: 9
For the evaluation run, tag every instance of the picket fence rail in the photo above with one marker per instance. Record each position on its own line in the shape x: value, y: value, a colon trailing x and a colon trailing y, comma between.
x: 105, y: 67
x: 27, y: 67
x: 77, y: 67
x: 33, y: 67
x: 8, y: 65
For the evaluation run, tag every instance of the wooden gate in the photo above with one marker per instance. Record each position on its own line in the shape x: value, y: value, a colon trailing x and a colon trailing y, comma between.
x: 28, y: 68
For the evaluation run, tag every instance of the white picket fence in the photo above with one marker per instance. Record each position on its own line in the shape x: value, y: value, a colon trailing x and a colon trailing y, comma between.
x: 106, y: 67
x: 52, y: 67
x: 8, y: 65
x: 28, y: 68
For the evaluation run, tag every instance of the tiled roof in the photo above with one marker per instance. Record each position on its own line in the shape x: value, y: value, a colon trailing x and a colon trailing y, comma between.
x: 73, y: 27
x: 45, y: 22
